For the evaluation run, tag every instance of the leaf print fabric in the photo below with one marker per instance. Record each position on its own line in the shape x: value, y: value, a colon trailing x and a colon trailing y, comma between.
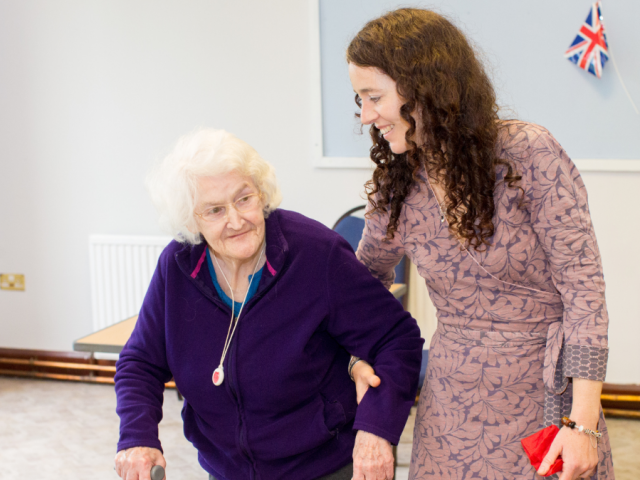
x: 515, y: 322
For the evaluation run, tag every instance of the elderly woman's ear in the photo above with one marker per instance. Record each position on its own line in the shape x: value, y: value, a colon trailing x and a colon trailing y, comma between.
x: 192, y: 227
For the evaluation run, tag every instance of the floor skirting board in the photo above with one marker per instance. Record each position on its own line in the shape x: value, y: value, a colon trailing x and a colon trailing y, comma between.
x: 53, y: 365
x: 618, y: 400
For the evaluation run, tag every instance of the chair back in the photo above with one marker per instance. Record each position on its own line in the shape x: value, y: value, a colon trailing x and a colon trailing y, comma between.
x: 351, y: 227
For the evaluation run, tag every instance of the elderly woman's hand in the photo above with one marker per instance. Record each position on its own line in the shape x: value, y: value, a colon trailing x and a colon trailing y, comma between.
x: 372, y: 457
x: 364, y: 376
x: 136, y: 463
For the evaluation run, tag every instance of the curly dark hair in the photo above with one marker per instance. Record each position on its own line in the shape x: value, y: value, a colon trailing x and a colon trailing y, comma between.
x: 440, y: 78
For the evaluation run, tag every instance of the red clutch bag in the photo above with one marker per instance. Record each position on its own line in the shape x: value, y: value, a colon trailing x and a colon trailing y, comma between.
x: 537, y: 445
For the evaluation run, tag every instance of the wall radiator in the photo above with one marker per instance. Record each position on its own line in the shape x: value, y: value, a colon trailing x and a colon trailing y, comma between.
x: 121, y: 269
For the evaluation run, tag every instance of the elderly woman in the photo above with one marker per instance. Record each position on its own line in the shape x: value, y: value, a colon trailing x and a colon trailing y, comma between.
x: 495, y: 216
x: 252, y: 311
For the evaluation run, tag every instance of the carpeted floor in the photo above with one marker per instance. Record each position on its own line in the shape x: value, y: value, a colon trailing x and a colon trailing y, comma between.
x: 53, y: 430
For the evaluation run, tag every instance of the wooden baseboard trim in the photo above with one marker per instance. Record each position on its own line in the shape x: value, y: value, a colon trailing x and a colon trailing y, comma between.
x: 57, y: 376
x: 46, y: 354
x: 621, y: 398
x: 52, y: 365
x: 63, y: 365
x: 69, y: 378
x: 59, y: 365
x: 617, y: 413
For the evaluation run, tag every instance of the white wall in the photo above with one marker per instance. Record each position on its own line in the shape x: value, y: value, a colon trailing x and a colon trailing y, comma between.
x: 92, y: 92
x: 615, y: 210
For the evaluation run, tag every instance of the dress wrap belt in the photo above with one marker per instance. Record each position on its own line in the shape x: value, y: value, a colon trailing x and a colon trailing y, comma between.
x: 557, y: 396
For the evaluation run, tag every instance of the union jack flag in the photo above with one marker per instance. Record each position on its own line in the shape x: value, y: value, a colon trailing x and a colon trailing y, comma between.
x: 589, y: 50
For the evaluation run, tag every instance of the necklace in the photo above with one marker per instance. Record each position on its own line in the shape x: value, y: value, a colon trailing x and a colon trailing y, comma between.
x: 441, y: 205
x: 218, y: 373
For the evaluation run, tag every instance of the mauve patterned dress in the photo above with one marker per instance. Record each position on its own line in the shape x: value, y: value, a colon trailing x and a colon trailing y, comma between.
x: 515, y: 322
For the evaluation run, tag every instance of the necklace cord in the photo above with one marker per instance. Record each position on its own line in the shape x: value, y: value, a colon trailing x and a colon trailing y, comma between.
x: 462, y: 245
x: 441, y: 206
x: 227, y: 341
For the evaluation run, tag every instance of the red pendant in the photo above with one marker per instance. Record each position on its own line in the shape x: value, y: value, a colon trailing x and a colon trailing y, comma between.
x: 218, y: 376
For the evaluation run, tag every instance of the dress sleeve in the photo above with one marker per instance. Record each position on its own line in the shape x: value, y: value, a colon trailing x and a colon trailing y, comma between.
x: 142, y: 371
x: 560, y: 217
x: 377, y: 253
x: 369, y: 322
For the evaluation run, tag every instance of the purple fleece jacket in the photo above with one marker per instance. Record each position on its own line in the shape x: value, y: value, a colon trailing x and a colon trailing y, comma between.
x: 287, y: 408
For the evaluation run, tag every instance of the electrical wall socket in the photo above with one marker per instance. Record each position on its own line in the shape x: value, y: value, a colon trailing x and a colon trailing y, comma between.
x: 11, y: 281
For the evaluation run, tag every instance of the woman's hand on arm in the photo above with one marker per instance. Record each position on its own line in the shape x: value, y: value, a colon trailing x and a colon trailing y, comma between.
x: 136, y: 463
x: 364, y: 377
x: 579, y: 458
x: 372, y: 457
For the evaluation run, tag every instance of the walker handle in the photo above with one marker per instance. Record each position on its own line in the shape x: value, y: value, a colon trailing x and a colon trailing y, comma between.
x: 157, y: 472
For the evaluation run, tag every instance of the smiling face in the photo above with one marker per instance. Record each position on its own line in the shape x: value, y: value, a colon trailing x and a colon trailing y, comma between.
x: 381, y: 105
x: 238, y: 236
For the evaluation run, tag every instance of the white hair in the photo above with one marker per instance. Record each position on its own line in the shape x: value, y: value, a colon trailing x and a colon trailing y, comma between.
x: 172, y: 185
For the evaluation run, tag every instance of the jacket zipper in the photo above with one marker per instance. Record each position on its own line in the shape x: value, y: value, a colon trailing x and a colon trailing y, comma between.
x: 240, y: 436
